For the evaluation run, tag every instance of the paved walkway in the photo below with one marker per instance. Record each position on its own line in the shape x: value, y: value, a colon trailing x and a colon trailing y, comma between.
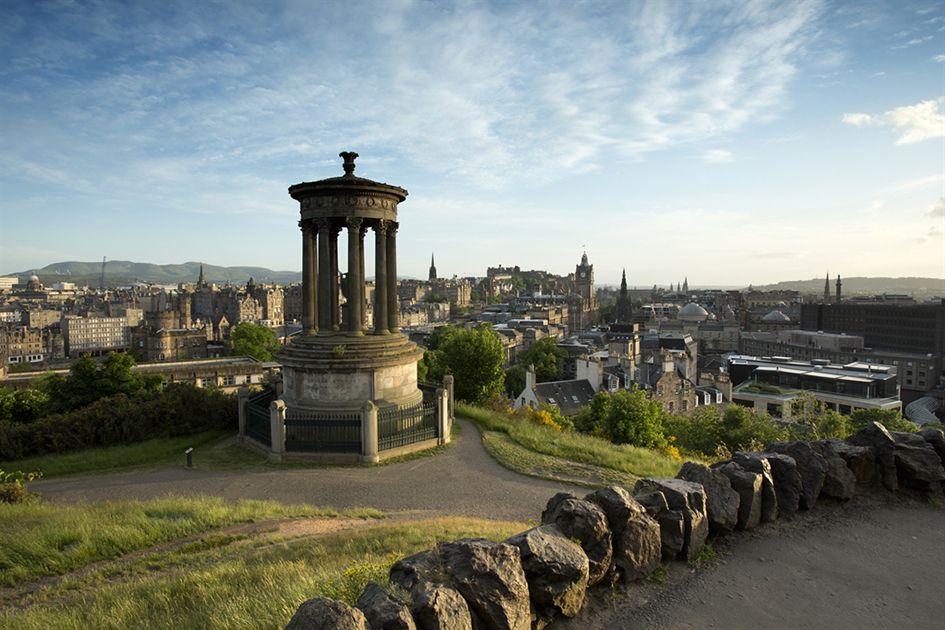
x: 463, y: 480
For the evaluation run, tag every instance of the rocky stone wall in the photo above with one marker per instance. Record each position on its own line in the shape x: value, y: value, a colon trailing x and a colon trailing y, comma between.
x: 611, y: 535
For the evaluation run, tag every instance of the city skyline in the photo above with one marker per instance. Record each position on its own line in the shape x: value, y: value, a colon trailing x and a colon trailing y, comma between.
x: 736, y: 144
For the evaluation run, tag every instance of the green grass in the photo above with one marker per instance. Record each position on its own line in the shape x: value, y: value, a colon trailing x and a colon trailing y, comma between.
x: 255, y: 583
x: 574, y: 446
x: 516, y: 457
x: 40, y: 539
x: 155, y: 452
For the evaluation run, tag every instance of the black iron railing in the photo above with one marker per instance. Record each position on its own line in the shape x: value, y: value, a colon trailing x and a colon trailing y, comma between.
x: 258, y: 426
x: 322, y: 432
x: 400, y: 426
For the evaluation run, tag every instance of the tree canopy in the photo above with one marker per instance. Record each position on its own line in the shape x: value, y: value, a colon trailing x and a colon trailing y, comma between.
x: 473, y: 356
x: 254, y: 340
x: 624, y: 417
x: 547, y: 357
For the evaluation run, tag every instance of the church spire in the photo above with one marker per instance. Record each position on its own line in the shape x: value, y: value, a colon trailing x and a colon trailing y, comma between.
x: 838, y: 288
x: 827, y: 289
x: 200, y: 280
x: 432, y: 268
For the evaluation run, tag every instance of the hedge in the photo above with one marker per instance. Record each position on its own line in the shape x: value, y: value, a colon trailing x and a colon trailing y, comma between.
x: 121, y: 419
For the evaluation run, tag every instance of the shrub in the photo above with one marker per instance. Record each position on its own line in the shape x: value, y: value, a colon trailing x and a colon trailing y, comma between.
x: 13, y: 485
x: 121, y: 419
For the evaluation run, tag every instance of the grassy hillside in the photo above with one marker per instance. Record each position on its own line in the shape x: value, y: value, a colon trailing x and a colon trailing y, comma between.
x: 919, y: 287
x: 119, y: 272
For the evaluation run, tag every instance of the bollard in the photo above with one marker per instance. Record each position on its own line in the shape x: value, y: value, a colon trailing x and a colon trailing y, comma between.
x: 190, y: 457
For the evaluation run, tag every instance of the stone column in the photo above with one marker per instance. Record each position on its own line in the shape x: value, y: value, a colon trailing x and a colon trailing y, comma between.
x: 361, y: 293
x: 355, y: 282
x: 393, y: 316
x: 369, y: 432
x: 380, y: 278
x: 324, y: 276
x: 309, y: 280
x: 333, y: 255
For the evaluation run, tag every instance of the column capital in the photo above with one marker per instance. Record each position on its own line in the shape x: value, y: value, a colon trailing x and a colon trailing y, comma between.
x: 306, y: 227
x: 382, y: 226
x: 354, y: 223
x: 392, y: 227
x: 323, y: 224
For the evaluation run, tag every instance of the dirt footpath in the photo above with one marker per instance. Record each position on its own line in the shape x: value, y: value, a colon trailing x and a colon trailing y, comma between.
x: 875, y: 563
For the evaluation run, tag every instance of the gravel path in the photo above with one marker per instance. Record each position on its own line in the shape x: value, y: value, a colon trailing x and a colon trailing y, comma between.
x: 874, y: 563
x: 463, y: 480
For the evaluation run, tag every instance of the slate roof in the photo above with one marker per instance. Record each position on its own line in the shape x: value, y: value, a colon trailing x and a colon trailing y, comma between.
x: 568, y: 396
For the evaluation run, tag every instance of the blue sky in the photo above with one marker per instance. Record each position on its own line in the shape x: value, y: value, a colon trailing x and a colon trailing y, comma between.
x: 732, y: 143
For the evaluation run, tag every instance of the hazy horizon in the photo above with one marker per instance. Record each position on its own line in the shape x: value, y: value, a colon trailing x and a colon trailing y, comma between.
x: 733, y: 144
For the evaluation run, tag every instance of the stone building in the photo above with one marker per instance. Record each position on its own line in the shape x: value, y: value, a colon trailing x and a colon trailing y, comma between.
x: 583, y: 282
x: 95, y: 335
x: 22, y: 344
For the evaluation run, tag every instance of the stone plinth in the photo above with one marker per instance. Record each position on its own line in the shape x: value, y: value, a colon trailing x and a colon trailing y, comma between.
x: 340, y: 372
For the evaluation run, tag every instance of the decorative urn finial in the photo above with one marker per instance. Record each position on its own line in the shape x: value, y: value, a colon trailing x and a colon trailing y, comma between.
x: 349, y: 157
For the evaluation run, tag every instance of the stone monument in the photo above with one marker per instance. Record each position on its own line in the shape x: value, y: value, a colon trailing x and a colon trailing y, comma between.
x: 336, y: 365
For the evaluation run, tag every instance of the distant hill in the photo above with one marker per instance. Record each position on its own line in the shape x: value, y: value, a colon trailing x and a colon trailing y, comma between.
x: 121, y: 272
x: 919, y: 287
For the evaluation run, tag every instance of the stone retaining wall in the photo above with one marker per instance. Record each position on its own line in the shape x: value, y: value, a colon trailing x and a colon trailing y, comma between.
x: 611, y: 535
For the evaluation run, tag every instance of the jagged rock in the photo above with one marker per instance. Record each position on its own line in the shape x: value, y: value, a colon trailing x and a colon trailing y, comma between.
x: 420, y: 567
x: 556, y: 570
x: 758, y: 463
x: 490, y: 578
x: 811, y: 466
x: 652, y: 502
x: 936, y: 439
x: 861, y: 460
x: 439, y: 607
x: 636, y: 535
x: 875, y: 436
x: 721, y: 500
x: 748, y: 486
x: 917, y: 463
x: 322, y: 613
x: 554, y: 502
x: 787, y: 481
x: 839, y: 480
x: 687, y: 498
x: 383, y: 612
x: 586, y: 522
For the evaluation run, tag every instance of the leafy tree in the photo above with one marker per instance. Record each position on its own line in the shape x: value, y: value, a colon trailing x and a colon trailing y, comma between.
x: 473, y: 356
x: 746, y: 429
x: 700, y: 431
x: 547, y: 357
x: 89, y: 381
x: 624, y: 417
x: 818, y: 422
x: 514, y: 381
x: 889, y: 418
x: 254, y: 340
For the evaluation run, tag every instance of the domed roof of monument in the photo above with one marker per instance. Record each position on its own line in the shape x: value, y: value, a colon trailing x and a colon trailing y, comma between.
x: 776, y: 317
x: 34, y: 278
x: 348, y: 181
x: 692, y: 312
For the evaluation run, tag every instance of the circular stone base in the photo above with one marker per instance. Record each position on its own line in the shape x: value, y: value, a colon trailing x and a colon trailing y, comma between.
x: 336, y: 372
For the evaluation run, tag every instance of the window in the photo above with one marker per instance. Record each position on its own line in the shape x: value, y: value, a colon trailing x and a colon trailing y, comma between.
x: 229, y: 381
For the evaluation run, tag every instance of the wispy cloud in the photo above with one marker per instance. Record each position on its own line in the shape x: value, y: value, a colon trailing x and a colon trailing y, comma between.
x: 718, y: 155
x: 938, y: 210
x: 915, y: 123
x: 484, y: 94
x: 939, y: 58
